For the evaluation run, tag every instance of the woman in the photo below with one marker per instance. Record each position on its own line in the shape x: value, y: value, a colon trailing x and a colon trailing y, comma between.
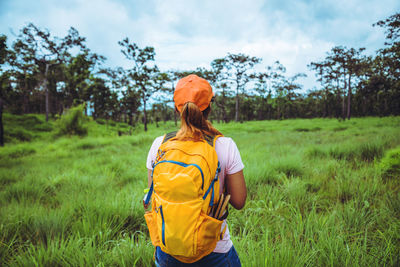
x: 192, y: 99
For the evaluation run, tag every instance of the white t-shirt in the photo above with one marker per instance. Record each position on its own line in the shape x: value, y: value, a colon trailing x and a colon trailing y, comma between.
x: 230, y: 162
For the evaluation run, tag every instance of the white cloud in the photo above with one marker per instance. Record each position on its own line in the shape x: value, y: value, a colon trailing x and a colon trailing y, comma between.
x: 189, y: 34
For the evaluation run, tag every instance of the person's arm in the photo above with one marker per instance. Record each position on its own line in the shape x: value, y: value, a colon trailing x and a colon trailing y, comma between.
x: 151, y: 157
x: 149, y: 179
x: 236, y: 187
x: 150, y: 160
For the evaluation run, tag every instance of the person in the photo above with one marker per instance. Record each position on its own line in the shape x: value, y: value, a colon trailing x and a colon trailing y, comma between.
x: 192, y: 97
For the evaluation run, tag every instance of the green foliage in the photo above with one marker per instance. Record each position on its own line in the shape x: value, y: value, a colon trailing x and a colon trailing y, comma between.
x: 315, y: 152
x: 390, y: 164
x: 301, y: 129
x: 77, y: 201
x: 289, y: 166
x: 16, y: 151
x: 364, y: 151
x: 73, y: 122
x: 69, y: 67
x: 101, y: 121
x: 350, y: 152
x: 339, y: 128
x: 371, y: 151
x: 24, y: 127
x: 19, y: 134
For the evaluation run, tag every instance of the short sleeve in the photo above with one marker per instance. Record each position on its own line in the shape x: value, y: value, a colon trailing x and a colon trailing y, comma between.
x: 151, y: 156
x: 234, y: 162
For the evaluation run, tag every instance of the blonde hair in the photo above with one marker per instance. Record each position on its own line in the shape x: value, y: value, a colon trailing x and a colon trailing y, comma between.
x: 194, y: 123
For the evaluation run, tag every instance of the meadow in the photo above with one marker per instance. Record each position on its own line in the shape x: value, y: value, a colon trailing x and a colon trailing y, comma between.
x: 321, y: 192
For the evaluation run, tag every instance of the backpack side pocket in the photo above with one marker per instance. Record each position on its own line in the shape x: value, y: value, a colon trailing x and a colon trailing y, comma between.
x: 150, y: 217
x: 208, y: 234
x: 176, y: 226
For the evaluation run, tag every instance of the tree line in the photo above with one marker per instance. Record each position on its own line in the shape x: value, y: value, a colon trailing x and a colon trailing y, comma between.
x: 42, y: 73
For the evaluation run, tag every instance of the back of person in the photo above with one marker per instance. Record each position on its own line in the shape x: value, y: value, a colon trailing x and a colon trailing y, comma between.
x: 192, y: 99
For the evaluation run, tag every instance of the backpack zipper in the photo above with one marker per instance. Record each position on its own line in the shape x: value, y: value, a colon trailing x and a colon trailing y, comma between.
x: 191, y: 154
x: 183, y: 165
x: 163, y: 225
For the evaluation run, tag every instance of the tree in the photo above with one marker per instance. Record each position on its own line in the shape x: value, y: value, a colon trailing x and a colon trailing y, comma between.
x: 4, y: 55
x: 168, y: 90
x: 392, y: 25
x: 353, y: 65
x: 342, y: 65
x: 1, y: 123
x: 130, y: 102
x: 327, y: 77
x: 77, y: 73
x: 39, y: 52
x: 143, y: 75
x: 103, y: 99
x: 388, y: 59
x: 219, y: 79
x: 266, y: 81
x: 237, y: 67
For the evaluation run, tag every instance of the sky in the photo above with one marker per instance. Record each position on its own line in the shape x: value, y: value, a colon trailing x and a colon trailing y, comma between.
x: 190, y: 34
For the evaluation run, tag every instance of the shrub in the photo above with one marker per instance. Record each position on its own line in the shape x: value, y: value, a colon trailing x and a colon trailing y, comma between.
x: 16, y: 151
x: 315, y: 152
x: 346, y: 152
x: 90, y: 143
x: 390, y: 164
x: 301, y: 129
x: 101, y: 121
x: 43, y: 127
x: 24, y: 127
x: 365, y: 151
x: 20, y: 134
x: 29, y: 120
x: 72, y: 123
x: 370, y: 151
x: 339, y: 128
x: 291, y: 167
x: 123, y: 125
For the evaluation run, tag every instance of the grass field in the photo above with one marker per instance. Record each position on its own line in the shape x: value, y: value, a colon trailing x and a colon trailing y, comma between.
x: 320, y: 193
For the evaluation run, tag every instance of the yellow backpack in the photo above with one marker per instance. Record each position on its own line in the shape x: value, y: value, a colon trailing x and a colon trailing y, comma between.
x: 185, y: 188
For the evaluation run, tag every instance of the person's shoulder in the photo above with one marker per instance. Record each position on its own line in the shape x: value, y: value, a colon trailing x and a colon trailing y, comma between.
x: 157, y: 141
x: 224, y: 141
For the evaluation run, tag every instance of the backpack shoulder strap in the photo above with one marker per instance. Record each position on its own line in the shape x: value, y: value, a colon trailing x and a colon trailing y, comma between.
x: 215, y: 139
x: 208, y: 138
x: 211, y: 139
x: 169, y: 136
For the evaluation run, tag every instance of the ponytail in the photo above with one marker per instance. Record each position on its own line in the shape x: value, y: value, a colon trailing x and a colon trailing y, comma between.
x: 194, y: 123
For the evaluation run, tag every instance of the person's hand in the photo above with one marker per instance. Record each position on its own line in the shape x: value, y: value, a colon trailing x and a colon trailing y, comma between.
x: 146, y: 191
x: 145, y: 206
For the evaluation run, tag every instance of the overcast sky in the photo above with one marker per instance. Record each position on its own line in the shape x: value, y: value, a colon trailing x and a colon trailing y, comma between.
x: 189, y: 34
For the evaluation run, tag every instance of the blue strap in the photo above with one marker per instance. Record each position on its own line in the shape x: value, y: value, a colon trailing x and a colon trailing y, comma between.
x: 212, y: 196
x: 212, y: 186
x: 151, y: 187
x: 149, y: 194
x: 183, y: 165
x: 163, y: 226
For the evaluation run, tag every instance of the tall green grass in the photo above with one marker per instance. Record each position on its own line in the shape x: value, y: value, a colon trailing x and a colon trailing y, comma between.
x: 320, y: 193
